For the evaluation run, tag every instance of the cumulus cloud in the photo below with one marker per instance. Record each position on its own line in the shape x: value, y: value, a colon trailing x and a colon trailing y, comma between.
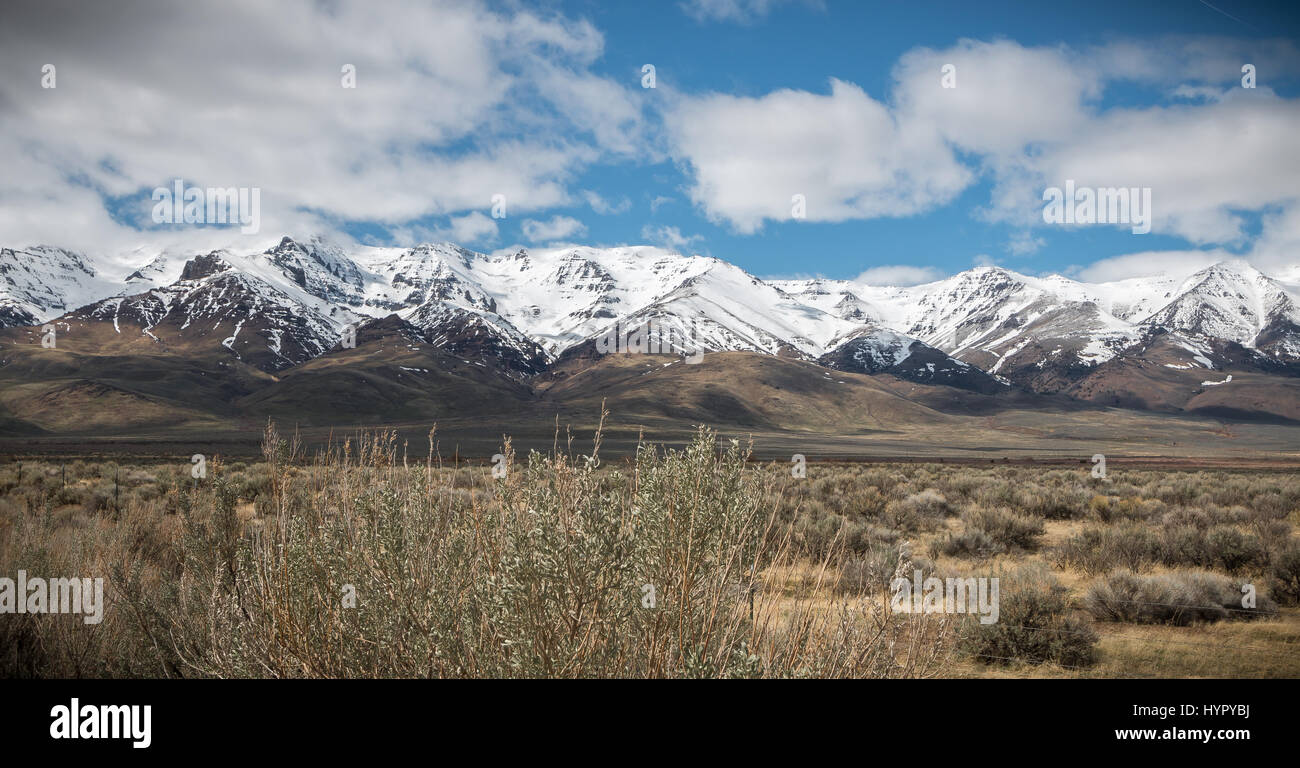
x: 843, y: 151
x: 1177, y: 264
x: 900, y: 274
x: 1006, y: 95
x: 1032, y: 116
x: 454, y: 103
x: 557, y: 228
x: 1279, y: 239
x: 1025, y: 118
x: 1274, y: 252
x: 1202, y: 162
x: 473, y: 228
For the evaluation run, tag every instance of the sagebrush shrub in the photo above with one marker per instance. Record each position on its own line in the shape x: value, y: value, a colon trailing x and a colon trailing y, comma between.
x: 1286, y: 575
x: 558, y: 570
x: 1099, y: 549
x: 1035, y: 624
x: 1010, y: 530
x: 972, y: 542
x: 1179, y: 598
x: 923, y: 511
x: 1232, y: 550
x: 458, y: 574
x: 872, y: 571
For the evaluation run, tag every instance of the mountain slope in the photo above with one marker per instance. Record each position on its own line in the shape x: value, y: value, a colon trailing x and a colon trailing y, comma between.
x: 215, y: 306
x: 882, y: 351
x: 539, y: 319
x: 393, y: 374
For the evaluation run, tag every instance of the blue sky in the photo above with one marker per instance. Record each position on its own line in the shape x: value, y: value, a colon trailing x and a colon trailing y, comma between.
x: 801, y: 46
x: 755, y: 100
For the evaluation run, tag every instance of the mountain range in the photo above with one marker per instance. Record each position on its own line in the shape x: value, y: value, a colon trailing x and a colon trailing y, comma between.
x: 324, y: 334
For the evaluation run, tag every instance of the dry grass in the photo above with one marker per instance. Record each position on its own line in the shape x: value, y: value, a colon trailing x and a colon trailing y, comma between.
x: 541, y: 574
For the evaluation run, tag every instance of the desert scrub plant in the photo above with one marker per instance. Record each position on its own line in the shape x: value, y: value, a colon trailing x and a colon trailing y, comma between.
x: 971, y: 542
x: 667, y: 568
x: 1137, y: 547
x: 652, y: 579
x: 1035, y: 624
x: 1179, y: 598
x: 1113, y: 508
x: 1222, y: 547
x: 922, y: 511
x: 1099, y: 549
x: 1006, y: 528
x: 1056, y: 503
x: 63, y: 645
x: 1234, y: 551
x: 364, y: 583
x: 71, y: 494
x: 871, y: 571
x: 1285, y: 577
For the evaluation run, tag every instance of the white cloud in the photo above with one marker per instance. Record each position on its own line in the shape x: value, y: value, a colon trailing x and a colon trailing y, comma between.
x: 1198, y: 93
x: 1033, y: 117
x: 1278, y: 244
x: 1202, y: 59
x: 741, y: 11
x: 473, y: 228
x: 1275, y: 251
x: 668, y: 237
x: 454, y: 103
x: 1026, y: 118
x: 604, y: 207
x: 1176, y: 264
x: 659, y: 201
x: 843, y: 151
x: 557, y: 228
x: 1203, y: 163
x: 899, y: 274
x: 1006, y: 95
x: 594, y: 104
x: 1024, y: 243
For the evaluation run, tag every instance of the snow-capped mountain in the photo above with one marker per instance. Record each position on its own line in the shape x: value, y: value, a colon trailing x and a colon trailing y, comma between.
x: 1235, y: 302
x: 214, y: 300
x: 41, y: 283
x: 1016, y: 326
x: 520, y: 310
x: 884, y: 351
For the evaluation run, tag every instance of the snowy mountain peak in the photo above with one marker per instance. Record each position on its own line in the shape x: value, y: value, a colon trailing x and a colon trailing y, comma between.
x: 528, y: 306
x: 1229, y: 300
